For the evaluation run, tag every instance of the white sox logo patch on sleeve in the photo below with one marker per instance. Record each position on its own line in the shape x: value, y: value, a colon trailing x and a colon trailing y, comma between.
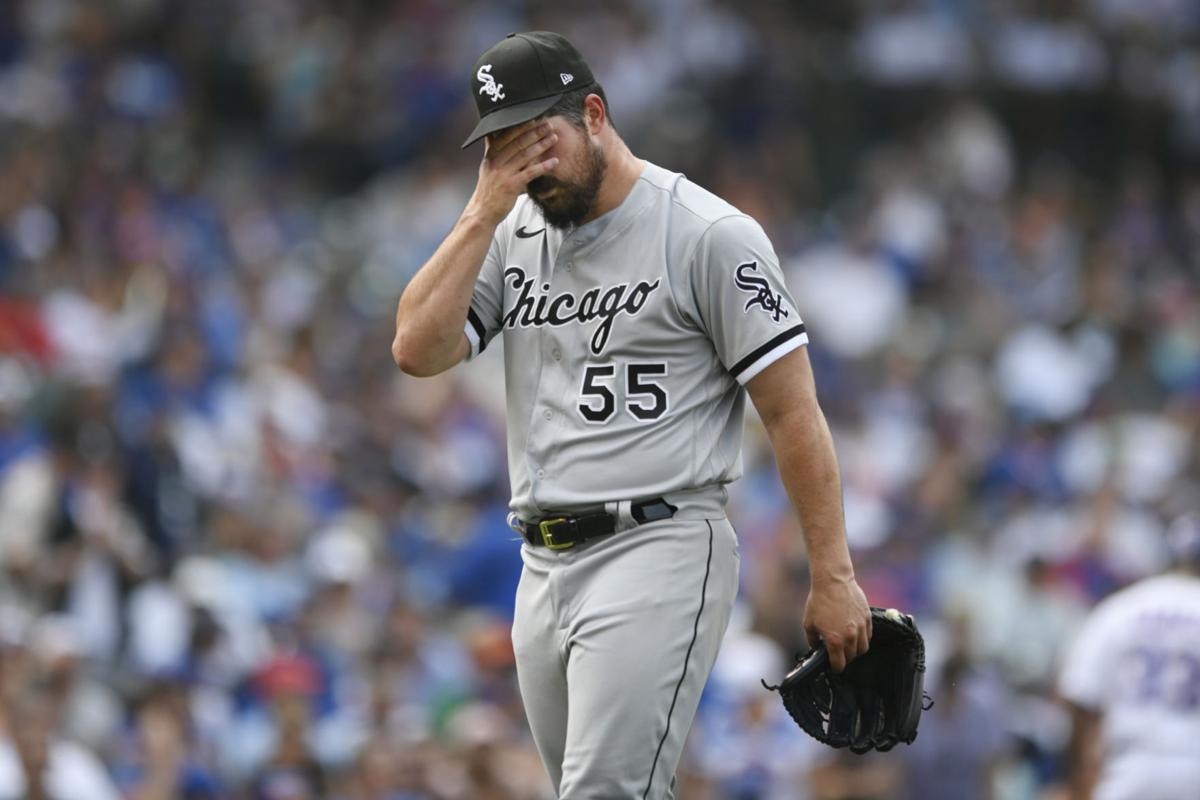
x: 490, y: 87
x: 748, y: 280
x: 535, y: 310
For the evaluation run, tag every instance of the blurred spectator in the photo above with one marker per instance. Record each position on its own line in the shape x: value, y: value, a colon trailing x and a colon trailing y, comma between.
x: 161, y: 758
x: 289, y: 769
x: 746, y: 744
x: 36, y: 763
x: 959, y: 747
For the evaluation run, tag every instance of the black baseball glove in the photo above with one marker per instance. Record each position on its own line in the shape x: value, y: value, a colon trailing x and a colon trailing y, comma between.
x: 872, y: 704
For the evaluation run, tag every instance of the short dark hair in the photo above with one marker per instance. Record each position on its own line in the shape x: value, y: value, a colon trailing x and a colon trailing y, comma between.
x: 570, y: 105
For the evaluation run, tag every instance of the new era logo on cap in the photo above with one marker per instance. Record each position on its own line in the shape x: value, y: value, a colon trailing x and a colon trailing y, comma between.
x: 521, y: 77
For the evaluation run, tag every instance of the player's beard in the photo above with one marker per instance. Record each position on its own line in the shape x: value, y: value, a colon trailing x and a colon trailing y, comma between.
x: 575, y: 199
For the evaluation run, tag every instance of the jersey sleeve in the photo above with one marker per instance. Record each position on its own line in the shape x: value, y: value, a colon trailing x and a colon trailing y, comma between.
x: 743, y: 303
x: 1087, y: 667
x: 484, y: 312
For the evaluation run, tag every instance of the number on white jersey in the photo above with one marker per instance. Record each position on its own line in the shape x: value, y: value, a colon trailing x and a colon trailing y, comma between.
x: 1165, y: 678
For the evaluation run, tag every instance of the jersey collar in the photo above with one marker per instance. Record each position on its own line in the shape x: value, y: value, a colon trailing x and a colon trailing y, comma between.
x: 611, y: 223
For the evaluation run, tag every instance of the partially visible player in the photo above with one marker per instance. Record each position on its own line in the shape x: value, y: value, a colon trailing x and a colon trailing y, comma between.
x: 1132, y: 681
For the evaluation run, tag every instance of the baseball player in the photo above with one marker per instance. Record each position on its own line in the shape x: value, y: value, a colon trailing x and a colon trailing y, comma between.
x: 637, y: 310
x: 1132, y: 680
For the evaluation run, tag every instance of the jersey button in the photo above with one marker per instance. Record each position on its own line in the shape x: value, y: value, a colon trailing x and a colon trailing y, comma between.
x: 541, y: 473
x: 570, y: 266
x: 557, y: 355
x: 547, y: 414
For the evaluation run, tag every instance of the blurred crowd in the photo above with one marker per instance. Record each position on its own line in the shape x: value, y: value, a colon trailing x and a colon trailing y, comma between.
x: 241, y: 556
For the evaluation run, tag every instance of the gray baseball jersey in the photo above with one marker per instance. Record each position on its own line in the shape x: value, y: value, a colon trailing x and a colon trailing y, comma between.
x: 627, y: 342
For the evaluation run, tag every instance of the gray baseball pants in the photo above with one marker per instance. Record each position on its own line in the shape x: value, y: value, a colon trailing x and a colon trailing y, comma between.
x: 614, y: 641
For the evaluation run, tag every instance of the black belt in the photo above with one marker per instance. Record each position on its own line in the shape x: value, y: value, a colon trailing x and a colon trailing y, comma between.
x: 559, y: 533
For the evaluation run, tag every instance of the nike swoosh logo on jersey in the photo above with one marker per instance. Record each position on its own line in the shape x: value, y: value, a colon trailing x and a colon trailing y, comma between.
x: 524, y: 234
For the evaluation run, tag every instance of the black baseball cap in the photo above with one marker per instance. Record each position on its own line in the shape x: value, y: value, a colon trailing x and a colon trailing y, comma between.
x: 521, y: 77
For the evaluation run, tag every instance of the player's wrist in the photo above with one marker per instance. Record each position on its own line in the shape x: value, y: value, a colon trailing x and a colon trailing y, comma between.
x: 477, y: 216
x: 839, y: 573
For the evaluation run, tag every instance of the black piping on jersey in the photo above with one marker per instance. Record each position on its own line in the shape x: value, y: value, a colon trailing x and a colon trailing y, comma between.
x: 748, y: 361
x: 477, y: 324
x: 686, y: 659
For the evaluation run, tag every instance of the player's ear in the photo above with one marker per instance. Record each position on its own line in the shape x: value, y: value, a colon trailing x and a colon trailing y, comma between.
x: 594, y: 113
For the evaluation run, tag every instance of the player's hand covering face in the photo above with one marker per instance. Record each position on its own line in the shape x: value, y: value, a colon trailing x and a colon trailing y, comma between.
x: 566, y: 196
x: 511, y: 159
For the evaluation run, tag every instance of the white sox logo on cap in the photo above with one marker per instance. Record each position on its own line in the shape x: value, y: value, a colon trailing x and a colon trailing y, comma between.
x: 490, y: 87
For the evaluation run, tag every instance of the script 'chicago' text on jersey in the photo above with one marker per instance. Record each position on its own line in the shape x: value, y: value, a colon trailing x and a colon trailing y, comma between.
x: 533, y: 310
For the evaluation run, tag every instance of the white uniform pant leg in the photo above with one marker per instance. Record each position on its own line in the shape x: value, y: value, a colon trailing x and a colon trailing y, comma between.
x: 539, y: 648
x: 648, y: 609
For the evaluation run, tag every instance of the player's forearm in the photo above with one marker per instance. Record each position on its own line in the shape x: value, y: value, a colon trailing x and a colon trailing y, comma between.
x: 432, y: 311
x: 808, y: 467
x: 1083, y: 753
x: 1082, y: 783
